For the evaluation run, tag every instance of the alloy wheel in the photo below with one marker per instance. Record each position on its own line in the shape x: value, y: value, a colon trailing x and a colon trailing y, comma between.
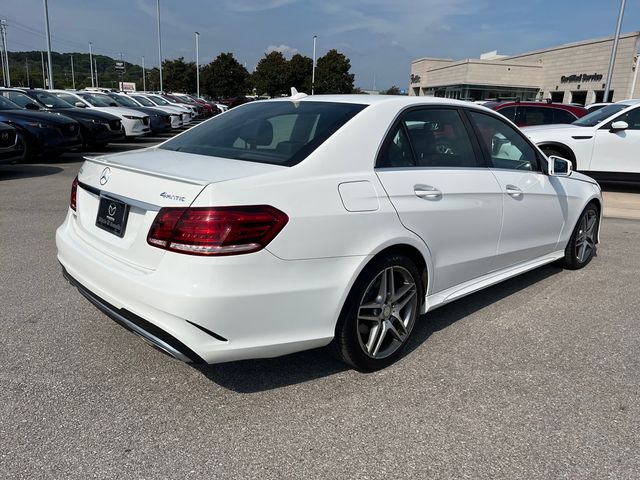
x: 387, y: 312
x: 586, y: 237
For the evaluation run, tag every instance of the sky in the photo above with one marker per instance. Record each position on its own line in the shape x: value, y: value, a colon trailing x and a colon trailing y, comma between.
x: 380, y: 37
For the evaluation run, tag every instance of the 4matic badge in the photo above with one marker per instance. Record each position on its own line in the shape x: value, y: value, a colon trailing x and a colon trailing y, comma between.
x: 171, y: 196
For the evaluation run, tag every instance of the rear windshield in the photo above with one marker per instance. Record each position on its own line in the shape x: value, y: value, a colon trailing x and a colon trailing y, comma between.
x: 278, y: 133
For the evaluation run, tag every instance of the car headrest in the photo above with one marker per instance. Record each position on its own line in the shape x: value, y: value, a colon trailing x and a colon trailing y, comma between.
x: 257, y: 132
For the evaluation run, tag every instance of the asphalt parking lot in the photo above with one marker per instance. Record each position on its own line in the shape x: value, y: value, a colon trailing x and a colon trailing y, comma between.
x: 537, y: 377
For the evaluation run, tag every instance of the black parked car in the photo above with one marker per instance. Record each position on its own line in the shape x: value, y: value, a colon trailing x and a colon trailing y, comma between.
x: 11, y: 151
x: 97, y: 129
x: 159, y: 121
x: 41, y: 133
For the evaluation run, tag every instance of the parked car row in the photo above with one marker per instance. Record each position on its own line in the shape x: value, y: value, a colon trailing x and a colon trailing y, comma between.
x: 51, y: 122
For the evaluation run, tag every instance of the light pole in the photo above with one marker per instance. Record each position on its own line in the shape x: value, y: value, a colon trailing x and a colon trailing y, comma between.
x: 91, y: 63
x: 44, y: 77
x: 313, y: 69
x: 26, y: 64
x: 144, y: 81
x: 159, y: 45
x: 46, y: 27
x: 3, y: 30
x: 95, y: 70
x: 614, y: 50
x: 73, y: 74
x: 197, y: 68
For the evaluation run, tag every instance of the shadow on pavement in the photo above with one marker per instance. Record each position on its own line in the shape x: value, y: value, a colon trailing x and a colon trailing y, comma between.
x: 250, y: 376
x: 12, y: 172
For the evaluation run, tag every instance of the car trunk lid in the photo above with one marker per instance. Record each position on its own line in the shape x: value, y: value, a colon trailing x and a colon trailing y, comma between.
x: 120, y: 196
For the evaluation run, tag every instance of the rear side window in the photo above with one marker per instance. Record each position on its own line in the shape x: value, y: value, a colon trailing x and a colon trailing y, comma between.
x: 278, y: 133
x: 562, y: 116
x: 506, y: 147
x: 536, y: 116
x: 438, y: 138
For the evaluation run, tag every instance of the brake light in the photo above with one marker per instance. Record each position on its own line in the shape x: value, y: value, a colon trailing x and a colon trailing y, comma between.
x: 73, y: 201
x: 216, y: 230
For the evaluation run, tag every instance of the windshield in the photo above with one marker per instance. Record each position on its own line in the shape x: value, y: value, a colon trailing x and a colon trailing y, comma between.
x: 50, y: 101
x: 158, y: 100
x: 122, y: 100
x: 8, y: 105
x: 97, y: 99
x: 144, y: 101
x: 277, y: 133
x: 594, y: 118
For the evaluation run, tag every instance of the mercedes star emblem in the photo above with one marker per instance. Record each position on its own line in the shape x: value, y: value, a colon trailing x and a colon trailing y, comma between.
x: 105, y: 175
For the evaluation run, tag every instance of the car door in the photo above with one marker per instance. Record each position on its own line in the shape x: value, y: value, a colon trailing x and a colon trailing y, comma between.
x: 433, y: 172
x: 617, y: 150
x: 534, y: 204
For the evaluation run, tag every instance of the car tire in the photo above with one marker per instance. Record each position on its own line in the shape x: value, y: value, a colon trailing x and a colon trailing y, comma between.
x: 582, y: 245
x: 379, y: 314
x: 27, y: 155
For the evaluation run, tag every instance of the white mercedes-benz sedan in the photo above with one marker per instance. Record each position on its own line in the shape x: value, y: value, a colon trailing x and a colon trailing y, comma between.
x: 296, y: 223
x: 604, y: 143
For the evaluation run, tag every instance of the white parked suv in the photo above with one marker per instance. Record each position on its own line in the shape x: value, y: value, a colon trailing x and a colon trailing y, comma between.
x: 604, y: 143
x: 295, y: 223
x: 133, y: 122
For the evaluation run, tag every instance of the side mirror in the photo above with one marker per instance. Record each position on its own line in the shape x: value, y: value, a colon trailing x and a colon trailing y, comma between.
x: 619, y: 125
x: 80, y: 104
x: 113, y: 104
x: 32, y: 106
x: 559, y: 167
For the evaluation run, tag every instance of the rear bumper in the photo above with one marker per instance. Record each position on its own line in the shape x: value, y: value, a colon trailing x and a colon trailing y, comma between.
x: 138, y: 325
x: 220, y: 309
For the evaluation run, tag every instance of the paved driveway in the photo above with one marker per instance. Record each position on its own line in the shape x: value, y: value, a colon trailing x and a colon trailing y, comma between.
x: 537, y: 377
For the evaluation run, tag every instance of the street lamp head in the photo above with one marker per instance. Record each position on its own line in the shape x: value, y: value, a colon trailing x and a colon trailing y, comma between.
x: 197, y: 33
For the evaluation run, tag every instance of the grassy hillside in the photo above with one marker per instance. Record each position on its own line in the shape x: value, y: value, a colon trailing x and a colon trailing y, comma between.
x: 107, y: 76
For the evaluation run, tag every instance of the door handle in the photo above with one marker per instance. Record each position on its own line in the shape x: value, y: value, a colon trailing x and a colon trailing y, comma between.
x: 514, y: 191
x: 427, y: 191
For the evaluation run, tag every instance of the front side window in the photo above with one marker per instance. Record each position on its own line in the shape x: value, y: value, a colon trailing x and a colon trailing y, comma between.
x: 278, y: 133
x: 595, y: 118
x: 438, y: 138
x: 632, y: 117
x: 505, y: 146
x: 509, y: 112
x: 6, y: 104
x: 563, y: 116
x: 18, y: 98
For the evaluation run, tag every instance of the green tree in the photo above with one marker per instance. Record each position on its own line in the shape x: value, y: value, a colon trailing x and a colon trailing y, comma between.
x: 332, y: 74
x: 178, y: 75
x: 300, y: 68
x: 272, y: 75
x: 394, y: 90
x: 224, y: 77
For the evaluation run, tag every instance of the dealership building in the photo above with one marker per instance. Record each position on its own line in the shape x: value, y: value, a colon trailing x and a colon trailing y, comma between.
x: 571, y: 73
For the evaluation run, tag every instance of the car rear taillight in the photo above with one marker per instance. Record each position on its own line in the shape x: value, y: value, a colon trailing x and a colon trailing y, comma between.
x: 216, y: 230
x: 73, y: 201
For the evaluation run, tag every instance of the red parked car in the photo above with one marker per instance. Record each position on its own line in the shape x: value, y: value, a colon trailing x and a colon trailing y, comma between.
x: 525, y: 114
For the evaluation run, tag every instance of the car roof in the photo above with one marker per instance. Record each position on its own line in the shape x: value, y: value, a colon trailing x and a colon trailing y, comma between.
x: 376, y: 99
x: 563, y: 106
